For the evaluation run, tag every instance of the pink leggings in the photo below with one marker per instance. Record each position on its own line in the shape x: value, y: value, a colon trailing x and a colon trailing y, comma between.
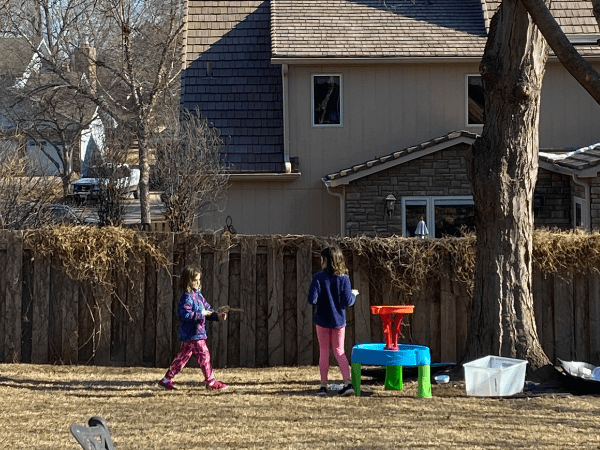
x: 332, y: 338
x: 200, y: 351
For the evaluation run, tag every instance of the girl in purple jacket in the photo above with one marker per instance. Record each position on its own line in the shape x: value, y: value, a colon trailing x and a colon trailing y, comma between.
x: 331, y: 293
x: 193, y: 310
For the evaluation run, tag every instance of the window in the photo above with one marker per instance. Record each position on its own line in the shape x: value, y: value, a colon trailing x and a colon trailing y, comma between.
x: 326, y: 100
x: 475, y: 100
x: 579, y: 213
x: 414, y: 209
x: 444, y: 216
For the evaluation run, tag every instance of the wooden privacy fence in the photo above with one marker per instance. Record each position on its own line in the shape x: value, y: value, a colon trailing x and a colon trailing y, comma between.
x: 45, y: 317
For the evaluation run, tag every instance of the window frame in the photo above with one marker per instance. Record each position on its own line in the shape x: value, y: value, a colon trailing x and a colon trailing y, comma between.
x: 430, y: 202
x: 579, y: 201
x: 467, y: 123
x: 312, y: 100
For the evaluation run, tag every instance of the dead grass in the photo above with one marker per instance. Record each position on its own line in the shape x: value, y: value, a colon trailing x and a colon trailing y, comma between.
x: 275, y: 408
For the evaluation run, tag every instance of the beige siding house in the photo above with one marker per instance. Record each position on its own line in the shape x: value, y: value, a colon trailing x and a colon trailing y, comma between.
x: 329, y: 107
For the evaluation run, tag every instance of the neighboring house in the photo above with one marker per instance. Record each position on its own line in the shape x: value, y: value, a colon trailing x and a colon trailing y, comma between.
x: 18, y: 63
x: 330, y: 107
x: 45, y: 127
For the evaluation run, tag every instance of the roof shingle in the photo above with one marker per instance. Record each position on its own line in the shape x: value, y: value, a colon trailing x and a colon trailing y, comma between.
x: 399, y: 28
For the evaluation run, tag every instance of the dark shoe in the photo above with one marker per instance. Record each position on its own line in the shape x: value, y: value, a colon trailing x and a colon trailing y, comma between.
x: 322, y: 391
x: 346, y: 391
x: 166, y: 384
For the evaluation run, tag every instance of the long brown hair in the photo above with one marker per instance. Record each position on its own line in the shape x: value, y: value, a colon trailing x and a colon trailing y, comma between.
x: 187, y: 275
x: 336, y: 265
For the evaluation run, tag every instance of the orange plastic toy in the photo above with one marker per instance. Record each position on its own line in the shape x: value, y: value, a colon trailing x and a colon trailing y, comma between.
x: 389, y: 314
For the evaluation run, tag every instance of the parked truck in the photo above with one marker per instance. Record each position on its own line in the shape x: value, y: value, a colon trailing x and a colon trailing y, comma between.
x: 126, y: 180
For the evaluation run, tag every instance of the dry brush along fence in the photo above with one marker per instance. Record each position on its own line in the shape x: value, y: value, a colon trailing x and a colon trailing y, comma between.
x: 108, y: 296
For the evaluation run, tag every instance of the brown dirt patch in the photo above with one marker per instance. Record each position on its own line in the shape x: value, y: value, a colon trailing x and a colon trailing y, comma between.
x: 276, y: 408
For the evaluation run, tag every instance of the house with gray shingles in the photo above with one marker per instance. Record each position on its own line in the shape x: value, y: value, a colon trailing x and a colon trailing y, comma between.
x: 352, y: 117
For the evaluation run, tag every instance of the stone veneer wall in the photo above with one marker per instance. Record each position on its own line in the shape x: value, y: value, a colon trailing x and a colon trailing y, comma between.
x: 440, y: 173
x: 555, y: 203
x: 444, y: 173
x: 595, y: 207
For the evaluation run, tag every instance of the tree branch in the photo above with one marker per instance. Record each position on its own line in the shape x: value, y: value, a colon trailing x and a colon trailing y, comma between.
x: 576, y: 65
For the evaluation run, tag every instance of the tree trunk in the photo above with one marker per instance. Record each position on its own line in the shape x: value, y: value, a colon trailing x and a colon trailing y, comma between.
x: 503, y: 166
x: 67, y: 169
x: 144, y: 184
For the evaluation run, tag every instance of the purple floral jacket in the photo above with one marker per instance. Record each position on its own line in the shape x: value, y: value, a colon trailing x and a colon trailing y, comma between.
x: 192, y: 324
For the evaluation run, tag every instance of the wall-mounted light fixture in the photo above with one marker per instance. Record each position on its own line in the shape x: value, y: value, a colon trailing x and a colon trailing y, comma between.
x: 390, y: 204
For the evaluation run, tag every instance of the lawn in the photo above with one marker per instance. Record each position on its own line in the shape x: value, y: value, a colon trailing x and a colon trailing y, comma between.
x: 276, y: 408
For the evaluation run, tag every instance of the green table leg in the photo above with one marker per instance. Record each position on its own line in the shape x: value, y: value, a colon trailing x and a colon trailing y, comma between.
x: 356, y: 374
x: 393, y: 378
x: 424, y: 381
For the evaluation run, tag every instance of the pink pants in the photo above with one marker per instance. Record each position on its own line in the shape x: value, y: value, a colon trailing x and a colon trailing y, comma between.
x: 200, y: 350
x: 332, y: 338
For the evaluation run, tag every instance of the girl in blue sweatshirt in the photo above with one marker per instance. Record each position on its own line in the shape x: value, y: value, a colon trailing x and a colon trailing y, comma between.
x: 331, y: 293
x: 193, y: 310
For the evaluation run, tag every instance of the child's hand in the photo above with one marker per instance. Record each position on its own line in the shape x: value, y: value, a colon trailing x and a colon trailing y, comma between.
x: 223, y: 316
x: 206, y: 312
x: 355, y: 292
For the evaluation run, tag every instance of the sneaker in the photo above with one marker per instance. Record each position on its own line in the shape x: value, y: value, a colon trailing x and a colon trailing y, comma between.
x: 346, y: 391
x: 216, y: 385
x: 166, y: 384
x: 322, y: 391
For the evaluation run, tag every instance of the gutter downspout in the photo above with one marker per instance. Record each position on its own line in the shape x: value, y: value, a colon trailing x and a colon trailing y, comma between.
x: 588, y: 201
x: 286, y: 118
x: 342, y: 198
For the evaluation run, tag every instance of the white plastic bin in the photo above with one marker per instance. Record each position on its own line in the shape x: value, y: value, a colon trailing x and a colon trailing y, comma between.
x: 493, y: 376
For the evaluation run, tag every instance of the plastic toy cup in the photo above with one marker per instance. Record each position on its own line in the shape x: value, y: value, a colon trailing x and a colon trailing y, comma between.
x: 442, y: 379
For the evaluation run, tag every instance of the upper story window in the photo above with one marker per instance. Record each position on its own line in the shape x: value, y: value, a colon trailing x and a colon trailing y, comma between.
x: 475, y: 100
x: 326, y: 100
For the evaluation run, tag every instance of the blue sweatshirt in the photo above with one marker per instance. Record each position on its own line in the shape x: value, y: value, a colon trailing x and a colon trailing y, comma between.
x: 192, y: 324
x: 332, y: 294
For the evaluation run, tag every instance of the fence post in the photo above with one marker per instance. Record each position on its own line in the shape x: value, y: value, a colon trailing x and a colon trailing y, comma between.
x: 164, y: 303
x: 41, y: 310
x: 275, y: 302
x: 134, y: 347
x: 362, y: 307
x: 594, y: 293
x: 448, y: 320
x: 563, y: 318
x: 220, y: 297
x: 14, y: 288
x: 304, y: 309
x: 248, y: 302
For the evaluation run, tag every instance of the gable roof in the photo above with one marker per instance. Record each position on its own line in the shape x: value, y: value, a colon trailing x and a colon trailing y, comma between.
x: 583, y: 162
x: 366, y: 168
x: 400, y: 28
x: 373, y: 28
x: 230, y: 78
x: 15, y: 55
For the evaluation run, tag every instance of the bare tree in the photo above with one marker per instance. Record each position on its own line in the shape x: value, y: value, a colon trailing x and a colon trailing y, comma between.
x: 133, y: 59
x: 21, y: 193
x: 503, y: 172
x: 113, y: 174
x: 505, y: 157
x: 189, y: 171
x: 52, y: 122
